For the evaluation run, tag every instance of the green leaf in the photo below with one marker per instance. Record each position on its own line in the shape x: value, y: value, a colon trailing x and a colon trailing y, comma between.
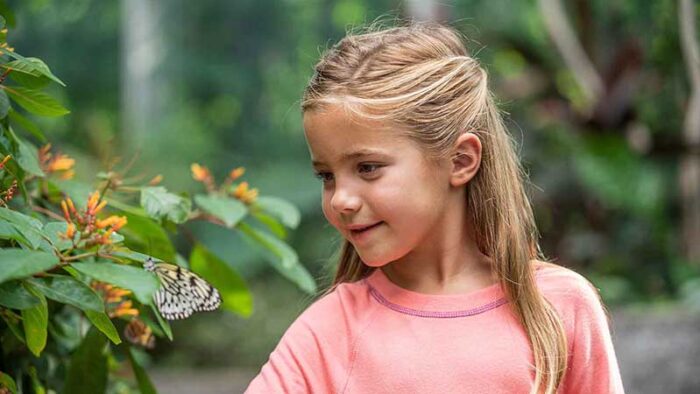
x: 79, y: 192
x: 35, y: 321
x: 4, y: 104
x: 14, y: 295
x: 52, y: 230
x: 272, y: 224
x: 7, y: 15
x: 141, y: 282
x: 144, y: 382
x: 28, y: 158
x: 29, y: 227
x: 234, y: 292
x: 144, y: 234
x: 159, y: 203
x: 26, y: 124
x: 282, y: 257
x: 8, y: 231
x: 281, y: 209
x: 29, y: 81
x: 19, y: 263
x: 6, y: 381
x: 33, y: 67
x: 87, y: 372
x: 131, y: 255
x: 37, y: 387
x: 35, y: 101
x: 13, y: 321
x: 70, y: 291
x: 163, y: 323
x: 229, y: 210
x: 104, y: 324
x: 128, y: 208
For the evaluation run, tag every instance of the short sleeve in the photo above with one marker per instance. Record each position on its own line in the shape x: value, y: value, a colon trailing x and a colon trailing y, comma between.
x: 284, y: 370
x: 313, y: 354
x: 593, y: 366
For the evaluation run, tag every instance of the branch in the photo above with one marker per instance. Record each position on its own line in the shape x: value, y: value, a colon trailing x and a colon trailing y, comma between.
x: 571, y: 50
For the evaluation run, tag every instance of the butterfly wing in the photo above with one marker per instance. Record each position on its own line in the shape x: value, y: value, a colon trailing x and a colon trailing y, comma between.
x: 205, y: 297
x: 183, y: 292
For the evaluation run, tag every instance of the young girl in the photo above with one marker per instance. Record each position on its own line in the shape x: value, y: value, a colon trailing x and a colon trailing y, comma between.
x: 441, y: 287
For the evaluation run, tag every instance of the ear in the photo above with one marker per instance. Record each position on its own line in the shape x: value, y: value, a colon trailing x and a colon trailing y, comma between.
x: 466, y: 159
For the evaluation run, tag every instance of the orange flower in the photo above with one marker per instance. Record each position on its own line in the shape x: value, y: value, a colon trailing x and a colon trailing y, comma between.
x: 4, y: 160
x: 138, y: 333
x: 96, y: 231
x: 250, y: 196
x: 240, y: 190
x: 92, y: 200
x: 236, y: 173
x: 104, y: 239
x: 71, y: 206
x: 116, y: 294
x: 70, y: 231
x: 244, y: 194
x: 114, y: 298
x: 67, y: 175
x: 92, y: 206
x: 116, y: 222
x: 61, y: 163
x: 156, y: 180
x: 200, y: 173
x: 124, y: 309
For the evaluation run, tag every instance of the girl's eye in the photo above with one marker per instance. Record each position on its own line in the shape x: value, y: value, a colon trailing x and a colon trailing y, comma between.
x: 327, y: 177
x: 373, y: 166
x: 322, y: 176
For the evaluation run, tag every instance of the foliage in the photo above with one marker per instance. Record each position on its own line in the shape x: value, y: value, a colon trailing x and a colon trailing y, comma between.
x: 76, y: 304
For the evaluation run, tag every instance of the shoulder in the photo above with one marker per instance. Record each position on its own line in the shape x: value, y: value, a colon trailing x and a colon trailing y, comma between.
x: 568, y: 291
x: 564, y: 284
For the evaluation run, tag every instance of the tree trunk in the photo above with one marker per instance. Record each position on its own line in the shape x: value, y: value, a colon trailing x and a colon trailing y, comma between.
x: 141, y: 54
x: 689, y: 176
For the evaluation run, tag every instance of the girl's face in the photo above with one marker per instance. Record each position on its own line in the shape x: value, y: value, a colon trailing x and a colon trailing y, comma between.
x: 375, y: 176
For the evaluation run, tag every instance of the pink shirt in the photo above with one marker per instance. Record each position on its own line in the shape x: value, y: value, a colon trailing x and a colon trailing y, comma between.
x: 372, y: 336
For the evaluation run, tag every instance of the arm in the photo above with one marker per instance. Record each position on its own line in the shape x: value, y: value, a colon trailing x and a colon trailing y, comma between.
x: 593, y: 366
x: 283, y: 371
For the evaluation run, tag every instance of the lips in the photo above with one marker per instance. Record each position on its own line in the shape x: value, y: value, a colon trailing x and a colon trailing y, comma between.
x: 363, y: 234
x: 361, y: 228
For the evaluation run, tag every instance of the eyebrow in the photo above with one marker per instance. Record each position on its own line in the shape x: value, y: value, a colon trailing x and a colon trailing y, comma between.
x: 351, y: 155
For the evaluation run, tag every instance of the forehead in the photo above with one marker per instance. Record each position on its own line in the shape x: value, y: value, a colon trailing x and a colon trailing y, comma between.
x: 332, y: 134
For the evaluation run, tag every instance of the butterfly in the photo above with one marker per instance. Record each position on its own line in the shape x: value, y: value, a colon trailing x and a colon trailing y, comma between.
x: 182, y: 292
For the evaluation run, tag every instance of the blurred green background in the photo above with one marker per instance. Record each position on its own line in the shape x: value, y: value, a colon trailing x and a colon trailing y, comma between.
x: 601, y: 129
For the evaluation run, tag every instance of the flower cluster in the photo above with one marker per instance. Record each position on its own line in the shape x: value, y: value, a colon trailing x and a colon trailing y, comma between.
x: 138, y: 333
x: 7, y: 195
x: 94, y: 230
x: 240, y: 191
x: 118, y: 305
x: 58, y: 163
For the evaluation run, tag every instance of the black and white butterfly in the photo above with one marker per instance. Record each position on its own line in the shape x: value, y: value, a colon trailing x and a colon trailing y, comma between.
x: 182, y: 292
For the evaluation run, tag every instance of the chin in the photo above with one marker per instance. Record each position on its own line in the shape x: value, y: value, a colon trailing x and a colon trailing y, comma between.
x: 377, y: 261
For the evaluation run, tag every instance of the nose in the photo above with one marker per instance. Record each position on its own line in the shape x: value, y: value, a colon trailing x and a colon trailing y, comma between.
x: 344, y: 201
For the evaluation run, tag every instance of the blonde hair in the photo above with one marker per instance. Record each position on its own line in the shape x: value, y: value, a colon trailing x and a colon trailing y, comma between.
x: 421, y: 77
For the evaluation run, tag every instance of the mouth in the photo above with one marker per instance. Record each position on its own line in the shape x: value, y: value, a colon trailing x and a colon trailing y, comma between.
x: 365, y: 230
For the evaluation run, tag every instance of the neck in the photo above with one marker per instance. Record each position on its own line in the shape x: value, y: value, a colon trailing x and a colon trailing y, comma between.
x: 447, y: 261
